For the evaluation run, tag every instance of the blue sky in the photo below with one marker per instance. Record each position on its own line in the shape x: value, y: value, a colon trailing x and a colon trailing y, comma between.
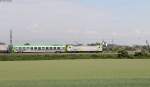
x: 116, y: 3
x: 125, y: 21
x: 127, y: 13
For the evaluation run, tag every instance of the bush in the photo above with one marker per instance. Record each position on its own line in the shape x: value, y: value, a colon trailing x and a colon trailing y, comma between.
x: 123, y: 54
x: 21, y: 57
x: 142, y: 53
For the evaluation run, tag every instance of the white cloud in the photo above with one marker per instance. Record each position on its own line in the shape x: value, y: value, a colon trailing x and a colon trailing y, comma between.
x: 54, y: 19
x: 66, y: 20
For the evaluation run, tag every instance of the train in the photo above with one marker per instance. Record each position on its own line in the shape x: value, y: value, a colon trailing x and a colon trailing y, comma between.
x: 52, y: 48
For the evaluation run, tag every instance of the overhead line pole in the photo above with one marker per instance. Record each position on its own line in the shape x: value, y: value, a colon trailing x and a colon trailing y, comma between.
x: 11, y: 41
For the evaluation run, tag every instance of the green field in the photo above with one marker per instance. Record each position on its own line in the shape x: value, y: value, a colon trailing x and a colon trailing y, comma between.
x: 76, y: 73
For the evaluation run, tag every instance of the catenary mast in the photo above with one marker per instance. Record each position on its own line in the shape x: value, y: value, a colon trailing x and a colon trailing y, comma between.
x: 11, y: 41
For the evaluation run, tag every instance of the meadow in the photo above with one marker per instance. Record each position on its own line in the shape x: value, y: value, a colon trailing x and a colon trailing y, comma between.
x: 76, y: 73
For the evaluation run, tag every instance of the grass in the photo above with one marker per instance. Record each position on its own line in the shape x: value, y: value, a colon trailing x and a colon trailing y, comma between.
x: 79, y: 83
x: 19, y: 57
x: 76, y: 73
x: 64, y: 56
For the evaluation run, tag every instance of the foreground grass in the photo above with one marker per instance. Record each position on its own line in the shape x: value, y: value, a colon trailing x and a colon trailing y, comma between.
x: 75, y: 73
x: 79, y: 83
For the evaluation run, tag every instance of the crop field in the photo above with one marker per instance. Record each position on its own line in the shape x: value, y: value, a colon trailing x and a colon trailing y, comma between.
x: 76, y: 73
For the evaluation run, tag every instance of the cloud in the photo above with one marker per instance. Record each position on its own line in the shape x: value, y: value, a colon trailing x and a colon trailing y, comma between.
x: 67, y: 20
x: 54, y: 19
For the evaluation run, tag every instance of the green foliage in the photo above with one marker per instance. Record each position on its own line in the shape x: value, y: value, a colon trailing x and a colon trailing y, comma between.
x: 19, y: 57
x: 27, y: 44
x: 140, y: 54
x: 123, y: 54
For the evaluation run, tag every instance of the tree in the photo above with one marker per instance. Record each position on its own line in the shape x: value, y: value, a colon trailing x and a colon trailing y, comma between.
x: 123, y: 54
x: 141, y: 53
x: 27, y: 44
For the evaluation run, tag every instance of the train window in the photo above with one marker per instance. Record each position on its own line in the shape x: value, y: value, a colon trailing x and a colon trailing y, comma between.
x: 43, y: 48
x: 20, y: 48
x: 58, y: 48
x: 39, y: 48
x: 51, y: 48
x: 31, y: 48
x: 35, y: 48
x: 54, y: 48
x: 24, y: 48
x: 47, y: 48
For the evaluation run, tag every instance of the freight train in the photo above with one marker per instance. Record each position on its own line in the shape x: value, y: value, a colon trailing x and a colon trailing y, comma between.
x: 52, y: 48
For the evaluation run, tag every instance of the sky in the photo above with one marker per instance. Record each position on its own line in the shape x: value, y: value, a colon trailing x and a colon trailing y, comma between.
x: 120, y: 21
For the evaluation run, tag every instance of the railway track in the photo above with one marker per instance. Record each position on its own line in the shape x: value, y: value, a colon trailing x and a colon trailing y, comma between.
x: 58, y: 53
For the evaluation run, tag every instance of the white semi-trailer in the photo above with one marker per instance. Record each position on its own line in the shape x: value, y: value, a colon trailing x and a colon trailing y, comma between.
x: 71, y: 48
